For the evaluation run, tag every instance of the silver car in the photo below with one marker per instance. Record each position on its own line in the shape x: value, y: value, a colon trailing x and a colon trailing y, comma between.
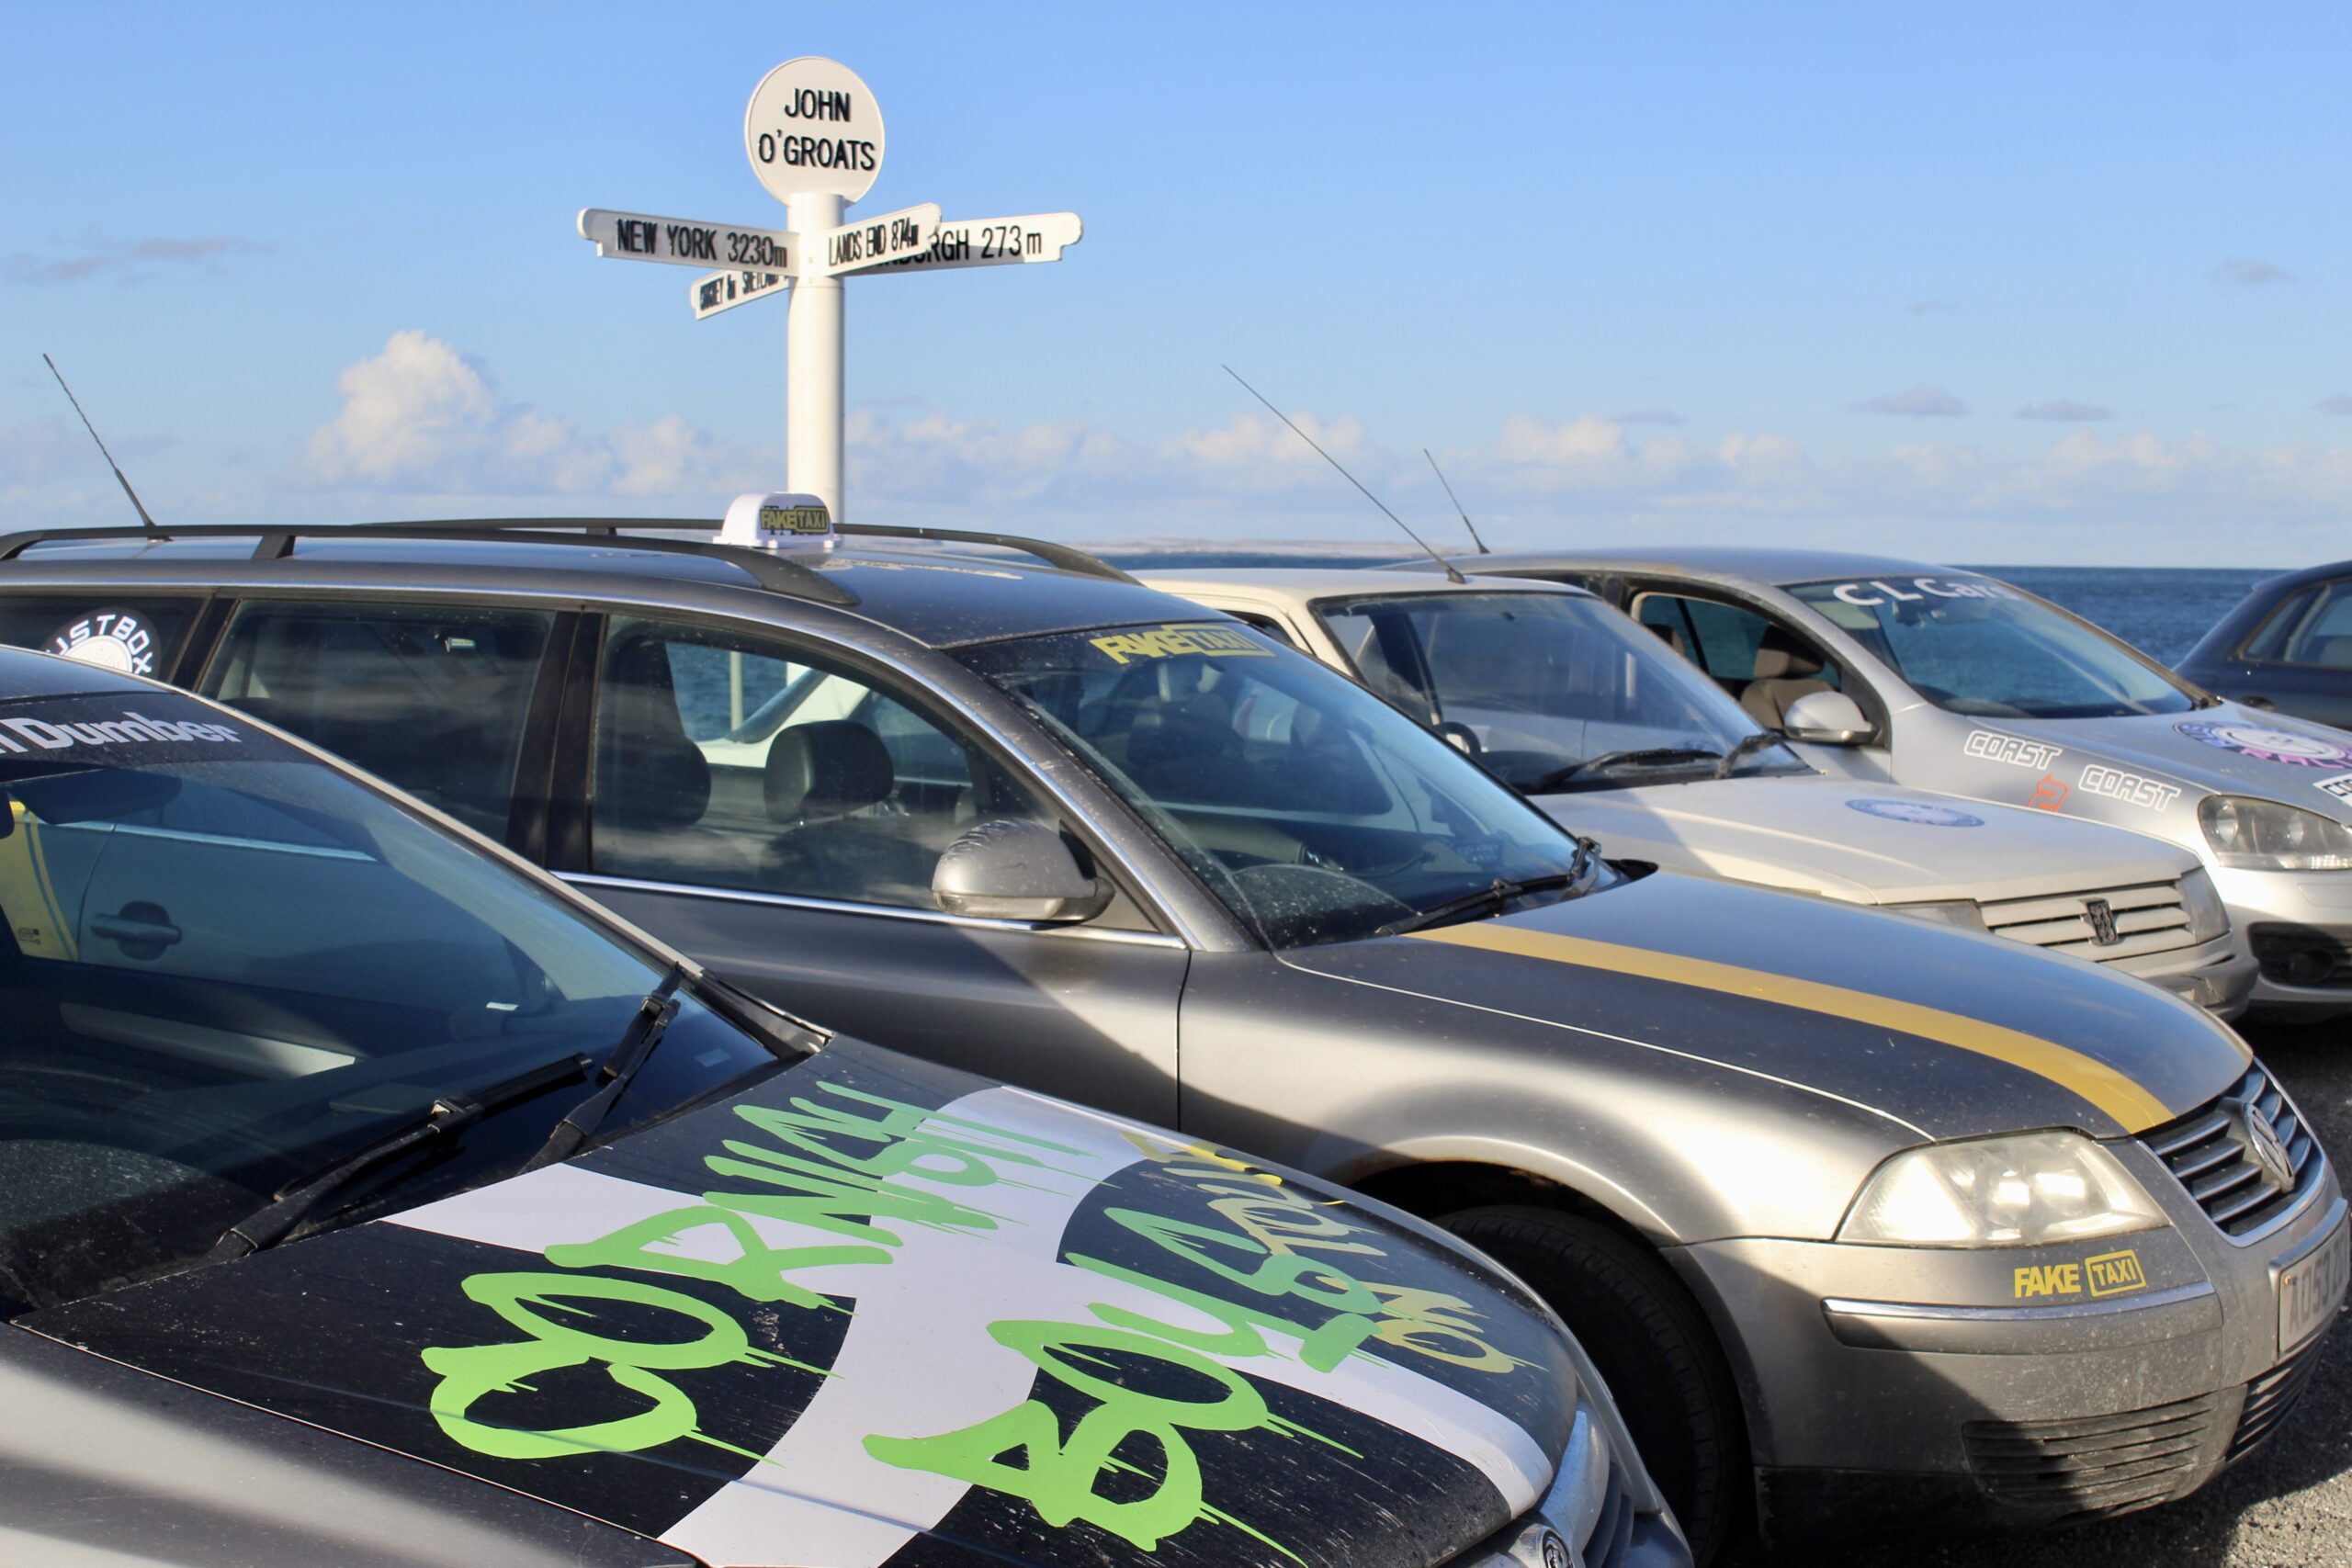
x: 1967, y: 686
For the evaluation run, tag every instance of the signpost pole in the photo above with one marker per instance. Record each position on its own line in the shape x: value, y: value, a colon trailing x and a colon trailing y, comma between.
x: 812, y: 360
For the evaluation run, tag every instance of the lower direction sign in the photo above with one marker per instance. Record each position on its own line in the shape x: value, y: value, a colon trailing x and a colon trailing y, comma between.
x: 724, y: 290
x: 683, y: 241
x: 989, y: 242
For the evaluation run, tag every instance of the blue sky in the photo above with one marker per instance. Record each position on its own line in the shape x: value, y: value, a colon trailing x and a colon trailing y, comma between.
x: 1673, y: 272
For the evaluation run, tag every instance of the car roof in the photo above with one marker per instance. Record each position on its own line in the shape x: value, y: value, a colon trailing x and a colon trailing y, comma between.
x: 1300, y: 585
x: 943, y: 594
x: 1750, y: 563
x: 24, y: 673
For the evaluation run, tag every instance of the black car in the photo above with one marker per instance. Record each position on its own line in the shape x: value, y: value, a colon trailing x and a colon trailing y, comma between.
x: 369, y: 1199
x: 2287, y: 647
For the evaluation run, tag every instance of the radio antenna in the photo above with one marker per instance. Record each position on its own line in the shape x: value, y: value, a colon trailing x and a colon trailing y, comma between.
x: 1457, y: 504
x: 1451, y: 575
x: 92, y: 429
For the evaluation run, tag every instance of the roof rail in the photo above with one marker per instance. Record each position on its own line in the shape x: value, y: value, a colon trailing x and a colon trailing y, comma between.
x: 1067, y: 557
x: 274, y: 541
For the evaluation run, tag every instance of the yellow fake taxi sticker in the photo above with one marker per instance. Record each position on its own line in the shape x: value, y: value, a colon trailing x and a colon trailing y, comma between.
x: 2108, y: 1274
x: 1172, y: 640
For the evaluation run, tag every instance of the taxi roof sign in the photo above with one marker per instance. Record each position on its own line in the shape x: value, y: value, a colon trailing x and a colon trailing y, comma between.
x: 778, y: 520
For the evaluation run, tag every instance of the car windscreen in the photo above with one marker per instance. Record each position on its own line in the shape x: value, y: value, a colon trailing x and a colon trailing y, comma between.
x: 228, y: 966
x: 1556, y: 691
x: 1971, y: 644
x: 1316, y: 811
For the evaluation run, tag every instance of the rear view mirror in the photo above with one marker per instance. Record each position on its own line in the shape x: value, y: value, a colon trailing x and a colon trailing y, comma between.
x: 1010, y: 870
x: 1826, y: 718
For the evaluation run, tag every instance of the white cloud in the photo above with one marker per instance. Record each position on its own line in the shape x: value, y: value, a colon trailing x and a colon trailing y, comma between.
x: 1913, y: 403
x: 422, y: 419
x: 424, y: 428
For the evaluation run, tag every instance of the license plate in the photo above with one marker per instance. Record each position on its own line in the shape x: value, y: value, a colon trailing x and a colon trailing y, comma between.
x: 2310, y: 1290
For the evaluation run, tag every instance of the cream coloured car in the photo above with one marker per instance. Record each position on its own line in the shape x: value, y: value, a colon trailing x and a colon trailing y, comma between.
x: 1582, y: 709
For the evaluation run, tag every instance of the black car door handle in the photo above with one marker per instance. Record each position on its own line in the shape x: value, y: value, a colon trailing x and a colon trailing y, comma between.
x: 132, y: 932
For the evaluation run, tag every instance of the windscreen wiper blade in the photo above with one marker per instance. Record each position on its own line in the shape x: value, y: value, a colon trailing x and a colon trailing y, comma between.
x: 1559, y: 776
x: 1748, y: 745
x: 1492, y: 897
x: 645, y: 1030
x: 272, y: 1223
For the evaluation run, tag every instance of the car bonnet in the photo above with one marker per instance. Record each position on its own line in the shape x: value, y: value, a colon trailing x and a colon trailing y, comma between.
x: 2228, y: 750
x: 1884, y: 843
x: 1953, y: 1033
x: 872, y: 1311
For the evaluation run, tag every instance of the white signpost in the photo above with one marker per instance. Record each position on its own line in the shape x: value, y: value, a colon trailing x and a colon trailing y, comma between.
x: 813, y: 133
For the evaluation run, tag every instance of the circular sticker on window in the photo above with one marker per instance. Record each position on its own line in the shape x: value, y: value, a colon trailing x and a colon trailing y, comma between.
x: 111, y: 639
x: 2271, y: 745
x: 1918, y: 813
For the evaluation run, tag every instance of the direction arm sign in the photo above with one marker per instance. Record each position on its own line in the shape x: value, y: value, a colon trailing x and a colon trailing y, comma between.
x: 888, y: 236
x: 724, y: 290
x: 637, y: 236
x: 988, y: 242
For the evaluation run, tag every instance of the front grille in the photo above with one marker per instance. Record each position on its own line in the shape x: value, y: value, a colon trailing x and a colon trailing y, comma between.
x: 2152, y: 917
x: 2094, y: 1467
x: 2269, y: 1397
x: 2213, y: 1151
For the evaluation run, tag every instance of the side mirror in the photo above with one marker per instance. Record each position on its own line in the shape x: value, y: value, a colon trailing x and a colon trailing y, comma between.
x: 1010, y: 870
x: 1826, y: 718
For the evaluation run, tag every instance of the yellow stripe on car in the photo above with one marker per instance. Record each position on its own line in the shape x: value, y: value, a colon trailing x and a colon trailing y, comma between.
x: 28, y: 899
x: 2132, y: 1108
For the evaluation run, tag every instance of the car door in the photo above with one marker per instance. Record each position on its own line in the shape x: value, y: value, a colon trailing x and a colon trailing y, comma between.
x: 776, y: 807
x: 2299, y: 661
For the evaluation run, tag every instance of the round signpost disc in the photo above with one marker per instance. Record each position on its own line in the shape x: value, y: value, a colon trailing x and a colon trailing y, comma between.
x: 813, y: 129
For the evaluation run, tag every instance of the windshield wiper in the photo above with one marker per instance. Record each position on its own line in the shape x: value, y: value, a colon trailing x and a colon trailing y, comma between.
x: 1495, y: 894
x: 1748, y: 745
x: 636, y: 1048
x: 270, y: 1224
x: 1559, y: 776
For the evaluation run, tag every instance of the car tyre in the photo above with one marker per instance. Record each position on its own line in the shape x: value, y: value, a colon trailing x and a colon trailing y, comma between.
x: 1652, y: 1346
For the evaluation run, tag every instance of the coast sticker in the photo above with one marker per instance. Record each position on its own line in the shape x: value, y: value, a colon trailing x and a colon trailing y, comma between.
x: 112, y: 638
x: 2132, y: 789
x: 2286, y: 746
x: 2339, y: 786
x: 1994, y: 746
x: 1918, y: 813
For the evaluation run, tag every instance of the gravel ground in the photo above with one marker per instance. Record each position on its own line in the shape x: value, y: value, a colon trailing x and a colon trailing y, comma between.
x: 2289, y: 1505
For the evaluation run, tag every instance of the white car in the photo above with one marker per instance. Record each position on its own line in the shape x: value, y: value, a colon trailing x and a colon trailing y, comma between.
x: 1571, y: 703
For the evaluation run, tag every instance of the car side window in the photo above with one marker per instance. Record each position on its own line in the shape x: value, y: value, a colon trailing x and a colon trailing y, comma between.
x: 739, y: 762
x: 140, y: 635
x: 433, y: 699
x: 1763, y: 664
x: 1266, y: 623
x: 2322, y: 635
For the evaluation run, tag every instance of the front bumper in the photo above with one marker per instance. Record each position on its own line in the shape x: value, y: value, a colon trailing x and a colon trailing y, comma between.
x: 2299, y: 925
x: 1600, y: 1511
x: 1992, y: 1388
x: 2219, y: 975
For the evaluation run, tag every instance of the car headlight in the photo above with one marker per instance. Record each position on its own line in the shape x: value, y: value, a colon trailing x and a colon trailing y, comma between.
x: 1960, y: 912
x: 2207, y: 916
x: 2028, y: 1190
x: 2263, y: 835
